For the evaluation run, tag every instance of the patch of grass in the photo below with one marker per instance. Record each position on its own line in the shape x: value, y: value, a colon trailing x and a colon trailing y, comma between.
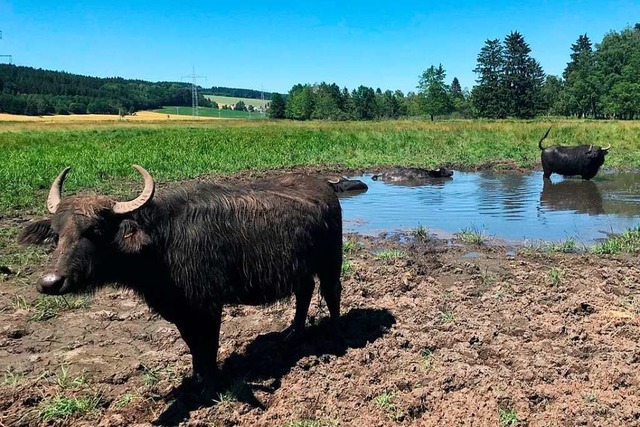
x: 421, y: 232
x: 20, y: 303
x: 428, y: 357
x: 150, y: 377
x: 63, y: 408
x: 11, y: 377
x: 567, y: 246
x: 508, y: 417
x: 233, y: 393
x: 313, y: 423
x: 556, y: 276
x: 346, y: 267
x: 446, y: 316
x: 471, y: 236
x: 65, y: 380
x: 389, y: 254
x: 45, y: 308
x: 386, y: 403
x: 627, y: 242
x: 125, y: 399
x: 348, y: 246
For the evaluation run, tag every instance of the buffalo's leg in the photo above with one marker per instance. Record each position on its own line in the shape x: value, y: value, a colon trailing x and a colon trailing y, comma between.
x: 304, y: 293
x: 202, y: 334
x: 331, y: 289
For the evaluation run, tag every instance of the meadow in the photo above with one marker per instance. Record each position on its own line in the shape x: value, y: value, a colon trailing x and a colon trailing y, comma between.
x: 210, y: 112
x: 101, y: 154
x: 228, y: 100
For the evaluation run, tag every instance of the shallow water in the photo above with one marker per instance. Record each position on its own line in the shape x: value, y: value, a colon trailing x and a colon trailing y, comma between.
x: 508, y: 206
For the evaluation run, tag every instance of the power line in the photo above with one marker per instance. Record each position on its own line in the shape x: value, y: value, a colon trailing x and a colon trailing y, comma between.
x: 6, y: 56
x: 194, y: 91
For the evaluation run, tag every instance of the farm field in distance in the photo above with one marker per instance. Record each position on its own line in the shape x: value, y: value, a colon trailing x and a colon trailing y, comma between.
x: 210, y: 113
x: 232, y: 100
x: 531, y: 337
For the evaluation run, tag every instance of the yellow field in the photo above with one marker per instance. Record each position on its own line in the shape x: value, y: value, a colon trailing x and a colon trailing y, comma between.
x: 140, y: 116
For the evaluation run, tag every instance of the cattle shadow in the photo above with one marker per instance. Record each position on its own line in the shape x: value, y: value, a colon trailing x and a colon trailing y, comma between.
x: 572, y: 195
x: 271, y: 356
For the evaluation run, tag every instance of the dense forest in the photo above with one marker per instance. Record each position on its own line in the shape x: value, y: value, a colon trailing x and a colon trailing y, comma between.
x: 30, y: 91
x: 598, y: 82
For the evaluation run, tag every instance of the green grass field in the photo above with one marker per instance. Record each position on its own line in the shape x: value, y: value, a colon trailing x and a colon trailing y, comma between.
x: 101, y: 156
x: 211, y: 112
x: 228, y: 100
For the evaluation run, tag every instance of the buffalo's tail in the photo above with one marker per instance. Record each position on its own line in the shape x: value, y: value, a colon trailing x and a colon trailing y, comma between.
x: 543, y: 137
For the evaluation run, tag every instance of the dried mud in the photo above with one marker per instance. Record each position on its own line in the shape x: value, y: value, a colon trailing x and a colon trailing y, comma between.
x: 436, y: 333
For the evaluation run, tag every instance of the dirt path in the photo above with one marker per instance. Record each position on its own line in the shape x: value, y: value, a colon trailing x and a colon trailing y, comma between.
x: 437, y: 334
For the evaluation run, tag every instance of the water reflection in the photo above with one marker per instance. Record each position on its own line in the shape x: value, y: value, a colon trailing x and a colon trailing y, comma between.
x: 436, y: 182
x: 510, y: 206
x: 572, y: 195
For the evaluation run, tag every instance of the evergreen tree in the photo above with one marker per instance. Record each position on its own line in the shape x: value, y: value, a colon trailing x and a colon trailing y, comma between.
x: 434, y: 91
x: 277, y: 107
x: 364, y: 103
x: 582, y: 85
x: 300, y: 102
x: 523, y: 78
x: 489, y: 97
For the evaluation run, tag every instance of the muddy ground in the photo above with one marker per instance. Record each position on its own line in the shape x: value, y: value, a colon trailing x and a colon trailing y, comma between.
x: 437, y: 333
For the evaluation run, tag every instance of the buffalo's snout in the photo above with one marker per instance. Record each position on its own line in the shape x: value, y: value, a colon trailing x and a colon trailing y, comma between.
x: 50, y: 284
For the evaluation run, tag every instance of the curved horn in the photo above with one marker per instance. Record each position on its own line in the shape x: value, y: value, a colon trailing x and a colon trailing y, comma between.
x: 590, y: 148
x: 333, y: 180
x: 606, y: 148
x: 55, y: 193
x: 144, y: 197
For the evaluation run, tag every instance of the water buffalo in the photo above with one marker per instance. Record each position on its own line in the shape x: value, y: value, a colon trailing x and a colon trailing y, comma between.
x: 413, y: 174
x: 343, y: 184
x: 194, y: 248
x: 583, y: 160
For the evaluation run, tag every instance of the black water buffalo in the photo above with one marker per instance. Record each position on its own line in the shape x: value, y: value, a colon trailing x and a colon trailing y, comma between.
x: 196, y: 247
x: 343, y: 184
x: 413, y: 174
x: 583, y: 160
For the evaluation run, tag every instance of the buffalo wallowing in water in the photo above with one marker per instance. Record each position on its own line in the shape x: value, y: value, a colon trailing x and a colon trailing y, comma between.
x: 413, y: 174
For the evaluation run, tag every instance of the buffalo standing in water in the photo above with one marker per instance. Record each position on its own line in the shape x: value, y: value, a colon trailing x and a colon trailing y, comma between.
x: 191, y: 250
x: 583, y: 160
x: 413, y: 174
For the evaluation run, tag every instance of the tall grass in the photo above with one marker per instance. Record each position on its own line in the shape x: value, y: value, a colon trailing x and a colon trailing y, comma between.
x: 101, y: 156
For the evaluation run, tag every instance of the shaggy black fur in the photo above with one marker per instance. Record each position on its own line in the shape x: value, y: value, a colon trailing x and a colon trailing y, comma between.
x: 195, y: 248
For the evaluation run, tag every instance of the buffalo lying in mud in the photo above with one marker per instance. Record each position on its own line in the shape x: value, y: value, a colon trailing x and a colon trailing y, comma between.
x: 413, y: 174
x: 583, y: 160
x: 196, y: 247
x: 342, y: 184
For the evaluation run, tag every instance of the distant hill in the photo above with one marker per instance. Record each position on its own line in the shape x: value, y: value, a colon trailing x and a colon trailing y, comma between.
x: 31, y: 91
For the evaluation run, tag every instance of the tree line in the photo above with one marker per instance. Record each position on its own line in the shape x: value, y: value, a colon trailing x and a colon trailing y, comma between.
x: 598, y: 82
x: 601, y: 81
x: 30, y: 91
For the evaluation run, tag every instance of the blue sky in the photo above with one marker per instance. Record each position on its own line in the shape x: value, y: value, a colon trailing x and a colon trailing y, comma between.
x: 275, y: 44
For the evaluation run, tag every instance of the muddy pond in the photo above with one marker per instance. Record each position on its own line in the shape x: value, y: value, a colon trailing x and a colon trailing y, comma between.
x: 511, y: 207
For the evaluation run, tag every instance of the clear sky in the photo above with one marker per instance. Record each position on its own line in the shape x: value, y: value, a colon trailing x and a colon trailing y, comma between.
x: 273, y: 45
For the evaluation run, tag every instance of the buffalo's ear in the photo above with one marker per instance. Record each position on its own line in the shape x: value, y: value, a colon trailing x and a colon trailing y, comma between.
x: 37, y: 233
x: 130, y: 237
